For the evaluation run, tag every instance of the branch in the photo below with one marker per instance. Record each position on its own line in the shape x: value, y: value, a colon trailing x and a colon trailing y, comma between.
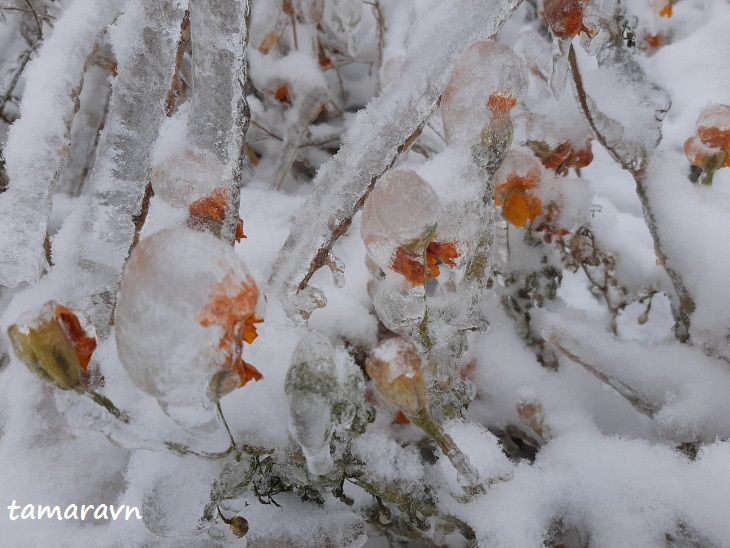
x: 638, y: 172
x: 47, y: 109
x: 376, y: 139
x: 145, y: 41
x: 628, y: 393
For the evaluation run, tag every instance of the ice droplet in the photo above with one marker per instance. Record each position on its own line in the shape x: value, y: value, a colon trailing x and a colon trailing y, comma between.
x: 337, y: 267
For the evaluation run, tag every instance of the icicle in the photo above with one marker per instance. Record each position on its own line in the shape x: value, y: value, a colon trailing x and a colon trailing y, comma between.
x: 311, y: 386
x: 337, y: 267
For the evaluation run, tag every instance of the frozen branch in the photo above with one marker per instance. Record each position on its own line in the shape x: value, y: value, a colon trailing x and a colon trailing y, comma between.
x: 144, y: 42
x: 219, y: 113
x: 38, y: 144
x: 632, y: 154
x: 377, y: 137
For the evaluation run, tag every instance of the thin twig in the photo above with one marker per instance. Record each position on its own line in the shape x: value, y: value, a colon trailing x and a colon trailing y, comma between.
x: 140, y: 219
x: 37, y: 19
x: 628, y: 393
x: 686, y: 302
x: 177, y: 83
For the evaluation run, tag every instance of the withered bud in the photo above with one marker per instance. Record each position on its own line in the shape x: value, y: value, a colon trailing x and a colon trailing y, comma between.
x: 532, y: 415
x: 239, y: 526
x: 395, y: 367
x: 54, y: 345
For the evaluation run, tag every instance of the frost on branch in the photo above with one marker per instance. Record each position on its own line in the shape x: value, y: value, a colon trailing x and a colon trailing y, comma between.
x: 374, y: 140
x: 144, y: 43
x: 39, y: 142
x: 219, y: 117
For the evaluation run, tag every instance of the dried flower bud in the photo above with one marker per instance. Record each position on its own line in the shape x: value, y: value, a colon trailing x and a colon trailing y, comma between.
x: 532, y: 415
x: 395, y: 366
x: 515, y: 181
x: 239, y: 526
x: 54, y: 345
x: 565, y: 17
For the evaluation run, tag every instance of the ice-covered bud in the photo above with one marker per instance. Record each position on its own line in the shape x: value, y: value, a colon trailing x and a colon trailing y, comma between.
x: 207, y: 214
x: 186, y: 177
x: 395, y: 367
x: 496, y: 137
x: 399, y: 228
x: 565, y: 17
x: 54, y: 344
x: 514, y: 183
x: 708, y: 159
x: 713, y: 126
x: 486, y: 78
x: 311, y: 389
x: 186, y: 306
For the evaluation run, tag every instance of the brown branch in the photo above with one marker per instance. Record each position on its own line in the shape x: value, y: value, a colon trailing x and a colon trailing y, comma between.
x: 628, y: 393
x: 140, y: 219
x: 683, y: 315
x: 177, y: 83
x: 321, y: 258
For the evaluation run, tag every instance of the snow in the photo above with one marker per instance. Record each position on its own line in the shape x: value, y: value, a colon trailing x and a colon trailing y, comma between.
x: 580, y: 417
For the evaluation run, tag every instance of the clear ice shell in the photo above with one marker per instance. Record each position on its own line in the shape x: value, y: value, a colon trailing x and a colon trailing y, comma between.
x: 186, y: 177
x: 398, y: 306
x: 400, y: 209
x: 165, y: 350
x: 485, y: 68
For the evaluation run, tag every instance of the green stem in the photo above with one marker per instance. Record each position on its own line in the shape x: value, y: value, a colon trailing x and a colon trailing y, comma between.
x: 106, y: 403
x: 467, y: 475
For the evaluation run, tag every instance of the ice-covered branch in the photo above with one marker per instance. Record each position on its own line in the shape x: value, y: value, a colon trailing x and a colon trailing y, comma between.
x: 38, y: 144
x: 219, y: 113
x: 377, y: 137
x: 683, y: 390
x: 630, y: 136
x: 144, y: 41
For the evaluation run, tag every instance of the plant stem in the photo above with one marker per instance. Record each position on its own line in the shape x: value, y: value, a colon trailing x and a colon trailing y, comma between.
x: 683, y: 315
x: 468, y: 476
x: 230, y: 435
x: 106, y: 403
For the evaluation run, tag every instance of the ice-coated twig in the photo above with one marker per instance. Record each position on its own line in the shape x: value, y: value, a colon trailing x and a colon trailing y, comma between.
x: 634, y: 160
x: 377, y: 137
x: 219, y: 113
x: 87, y: 123
x: 38, y: 144
x: 144, y: 41
x: 17, y: 52
x: 637, y: 401
x: 306, y: 111
x: 177, y: 83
